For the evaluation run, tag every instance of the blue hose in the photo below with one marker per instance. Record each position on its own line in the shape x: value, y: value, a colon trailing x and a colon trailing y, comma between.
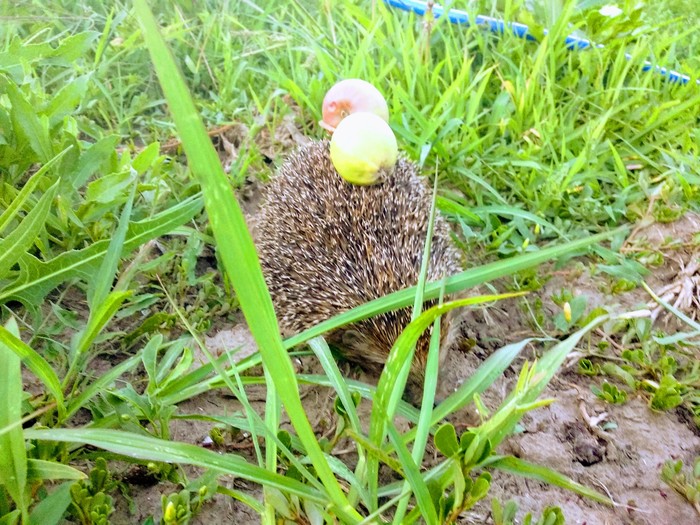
x: 522, y: 31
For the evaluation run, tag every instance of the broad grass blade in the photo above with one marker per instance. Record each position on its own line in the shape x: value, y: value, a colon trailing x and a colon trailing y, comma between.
x: 530, y: 470
x: 35, y: 362
x: 13, y: 454
x: 50, y: 510
x: 21, y: 238
x: 148, y: 448
x: 40, y: 469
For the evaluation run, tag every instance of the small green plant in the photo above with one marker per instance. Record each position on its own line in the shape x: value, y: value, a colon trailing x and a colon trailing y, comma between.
x: 177, y: 508
x: 572, y: 313
x: 650, y: 362
x: 588, y: 367
x: 505, y: 515
x: 91, y: 502
x: 686, y: 483
x: 610, y: 393
x: 667, y: 394
x: 292, y: 510
x: 466, y: 490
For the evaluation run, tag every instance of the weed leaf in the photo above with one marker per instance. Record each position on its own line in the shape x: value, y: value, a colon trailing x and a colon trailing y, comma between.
x: 50, y: 510
x: 21, y: 238
x: 153, y: 449
x: 37, y: 278
x: 21, y: 198
x: 91, y: 159
x: 13, y: 454
x: 33, y: 126
x: 35, y: 362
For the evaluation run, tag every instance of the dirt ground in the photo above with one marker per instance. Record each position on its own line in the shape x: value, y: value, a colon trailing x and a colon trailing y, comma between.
x: 624, y: 461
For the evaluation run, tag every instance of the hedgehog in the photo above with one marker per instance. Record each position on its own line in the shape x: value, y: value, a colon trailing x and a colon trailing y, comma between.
x: 327, y: 246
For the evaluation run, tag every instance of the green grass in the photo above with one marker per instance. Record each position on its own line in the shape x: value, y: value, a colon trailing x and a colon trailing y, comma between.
x: 539, y: 153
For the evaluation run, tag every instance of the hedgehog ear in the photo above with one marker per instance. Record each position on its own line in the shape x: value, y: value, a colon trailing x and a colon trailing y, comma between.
x: 351, y: 338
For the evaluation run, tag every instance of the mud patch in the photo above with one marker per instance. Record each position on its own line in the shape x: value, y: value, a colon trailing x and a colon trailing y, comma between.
x: 624, y: 462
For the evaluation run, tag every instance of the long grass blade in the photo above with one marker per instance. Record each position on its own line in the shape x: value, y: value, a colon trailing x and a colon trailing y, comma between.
x: 21, y: 238
x: 36, y: 363
x: 237, y: 251
x: 530, y: 470
x: 13, y: 454
x: 148, y: 448
x: 100, y: 286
